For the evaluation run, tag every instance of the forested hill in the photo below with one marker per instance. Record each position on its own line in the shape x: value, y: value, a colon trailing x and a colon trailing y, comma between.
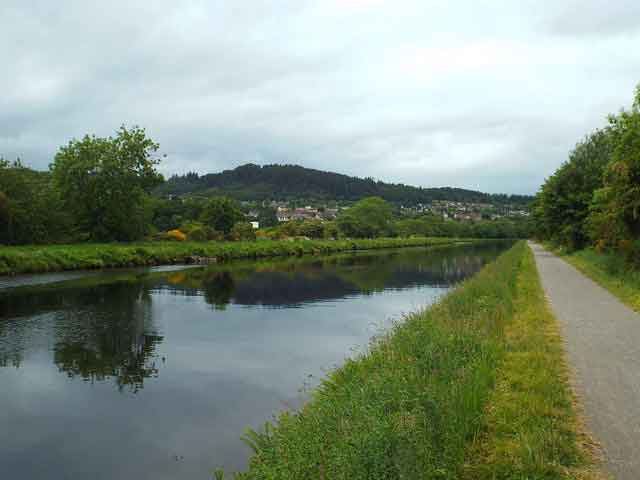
x: 284, y: 182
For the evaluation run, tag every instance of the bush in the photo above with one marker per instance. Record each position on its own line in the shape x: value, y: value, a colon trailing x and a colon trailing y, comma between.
x: 242, y: 231
x: 176, y: 235
x: 198, y: 234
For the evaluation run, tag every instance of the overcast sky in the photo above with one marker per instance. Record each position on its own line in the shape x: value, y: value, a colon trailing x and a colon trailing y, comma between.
x: 488, y: 95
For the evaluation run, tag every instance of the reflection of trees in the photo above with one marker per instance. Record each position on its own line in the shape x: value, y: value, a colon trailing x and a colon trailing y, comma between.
x: 112, y: 338
x: 286, y: 289
x: 298, y: 281
x: 100, y: 333
x: 105, y: 331
x: 10, y: 354
x: 218, y: 289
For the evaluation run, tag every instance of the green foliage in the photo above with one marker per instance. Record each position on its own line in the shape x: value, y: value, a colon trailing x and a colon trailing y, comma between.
x: 563, y: 203
x: 242, y: 231
x: 267, y: 217
x: 6, y: 219
x: 105, y: 183
x: 221, y: 214
x: 414, y: 226
x: 595, y: 196
x: 291, y: 182
x: 330, y: 230
x: 619, y: 201
x: 311, y: 229
x: 370, y: 217
x: 315, y: 229
x: 196, y: 232
x: 436, y: 227
x: 30, y: 208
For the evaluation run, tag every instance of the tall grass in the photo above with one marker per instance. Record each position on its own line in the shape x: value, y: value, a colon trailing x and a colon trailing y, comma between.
x: 33, y: 259
x: 531, y: 429
x: 422, y: 402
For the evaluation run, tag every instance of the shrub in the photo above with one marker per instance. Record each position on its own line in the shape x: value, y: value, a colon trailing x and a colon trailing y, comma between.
x: 242, y: 231
x: 176, y: 235
x: 198, y: 234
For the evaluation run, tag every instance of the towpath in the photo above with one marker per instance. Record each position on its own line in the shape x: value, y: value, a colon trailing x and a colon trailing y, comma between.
x: 603, y: 345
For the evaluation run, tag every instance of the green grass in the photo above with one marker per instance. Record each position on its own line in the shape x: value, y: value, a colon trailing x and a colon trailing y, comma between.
x: 610, y: 271
x: 473, y: 387
x: 35, y: 259
x: 531, y: 428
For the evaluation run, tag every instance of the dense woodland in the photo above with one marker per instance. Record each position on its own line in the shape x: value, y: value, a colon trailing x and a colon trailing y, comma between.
x: 108, y: 189
x: 593, y: 199
x: 286, y: 182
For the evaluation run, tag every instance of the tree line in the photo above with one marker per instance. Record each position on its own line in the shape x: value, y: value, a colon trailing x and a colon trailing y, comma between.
x: 104, y: 189
x: 594, y: 197
x: 287, y: 182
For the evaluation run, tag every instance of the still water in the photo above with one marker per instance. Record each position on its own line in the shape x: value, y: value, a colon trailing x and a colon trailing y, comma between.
x: 154, y: 374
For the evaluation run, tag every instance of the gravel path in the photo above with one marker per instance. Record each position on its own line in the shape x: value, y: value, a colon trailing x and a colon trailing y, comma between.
x: 603, y: 345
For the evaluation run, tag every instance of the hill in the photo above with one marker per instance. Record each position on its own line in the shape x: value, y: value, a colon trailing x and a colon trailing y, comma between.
x: 287, y: 182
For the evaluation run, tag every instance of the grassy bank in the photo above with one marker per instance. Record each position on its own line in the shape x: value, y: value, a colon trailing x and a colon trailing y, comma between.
x: 610, y: 271
x: 35, y: 259
x: 473, y: 387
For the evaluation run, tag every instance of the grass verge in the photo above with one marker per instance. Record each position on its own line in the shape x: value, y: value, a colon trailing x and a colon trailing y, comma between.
x: 36, y: 259
x: 611, y: 272
x: 473, y: 387
x: 532, y: 429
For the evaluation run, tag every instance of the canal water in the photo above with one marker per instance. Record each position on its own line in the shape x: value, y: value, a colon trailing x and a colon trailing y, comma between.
x: 156, y: 373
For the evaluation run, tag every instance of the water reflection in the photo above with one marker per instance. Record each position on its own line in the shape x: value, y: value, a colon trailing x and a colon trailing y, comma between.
x: 172, y: 366
x: 297, y: 282
x: 98, y: 333
x: 111, y: 337
x: 106, y: 331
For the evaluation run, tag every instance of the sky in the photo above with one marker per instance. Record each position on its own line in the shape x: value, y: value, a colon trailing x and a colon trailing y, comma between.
x: 487, y: 95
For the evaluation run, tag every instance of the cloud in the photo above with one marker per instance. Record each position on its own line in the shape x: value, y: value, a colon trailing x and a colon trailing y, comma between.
x: 597, y: 18
x: 421, y: 92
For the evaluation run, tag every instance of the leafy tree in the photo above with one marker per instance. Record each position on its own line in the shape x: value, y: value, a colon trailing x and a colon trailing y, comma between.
x: 221, y: 214
x: 105, y: 183
x: 563, y: 204
x: 330, y: 230
x: 368, y: 218
x: 413, y: 227
x: 6, y: 230
x: 30, y: 210
x: 267, y: 217
x: 311, y: 229
x: 242, y: 231
x: 617, y: 206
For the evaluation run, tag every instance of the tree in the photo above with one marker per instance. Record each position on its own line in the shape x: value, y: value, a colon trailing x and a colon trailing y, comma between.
x: 619, y: 200
x: 368, y: 218
x: 31, y: 211
x: 106, y: 182
x: 242, y: 231
x: 221, y: 214
x: 311, y: 229
x: 6, y: 230
x: 267, y: 217
x: 563, y: 204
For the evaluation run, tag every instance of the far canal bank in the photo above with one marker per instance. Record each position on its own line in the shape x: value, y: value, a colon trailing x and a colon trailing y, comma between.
x: 87, y: 256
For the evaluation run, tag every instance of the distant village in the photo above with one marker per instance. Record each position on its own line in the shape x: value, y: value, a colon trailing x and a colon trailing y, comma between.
x: 447, y: 210
x: 466, y: 211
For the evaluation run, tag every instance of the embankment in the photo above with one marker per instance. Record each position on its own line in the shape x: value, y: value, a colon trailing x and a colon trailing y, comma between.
x: 50, y: 258
x: 474, y: 387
